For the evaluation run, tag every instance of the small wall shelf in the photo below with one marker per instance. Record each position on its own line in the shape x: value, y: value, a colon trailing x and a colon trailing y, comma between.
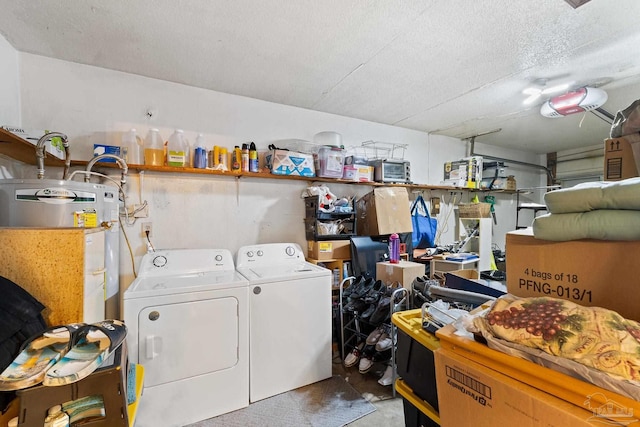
x: 19, y: 149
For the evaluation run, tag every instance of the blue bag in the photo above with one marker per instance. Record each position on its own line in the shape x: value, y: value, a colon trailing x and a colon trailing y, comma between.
x: 424, y: 227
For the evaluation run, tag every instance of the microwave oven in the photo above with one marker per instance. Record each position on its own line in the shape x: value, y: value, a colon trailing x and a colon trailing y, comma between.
x: 392, y: 171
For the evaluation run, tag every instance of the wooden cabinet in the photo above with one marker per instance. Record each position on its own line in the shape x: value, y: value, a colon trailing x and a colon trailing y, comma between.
x: 63, y: 268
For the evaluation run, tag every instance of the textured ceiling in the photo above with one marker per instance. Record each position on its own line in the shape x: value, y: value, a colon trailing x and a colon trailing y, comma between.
x: 451, y: 67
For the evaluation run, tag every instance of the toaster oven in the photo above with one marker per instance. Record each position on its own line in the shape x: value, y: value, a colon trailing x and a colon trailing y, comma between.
x: 392, y: 171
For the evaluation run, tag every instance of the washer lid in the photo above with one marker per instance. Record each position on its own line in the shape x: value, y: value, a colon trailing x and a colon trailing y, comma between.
x: 178, y: 284
x: 301, y: 270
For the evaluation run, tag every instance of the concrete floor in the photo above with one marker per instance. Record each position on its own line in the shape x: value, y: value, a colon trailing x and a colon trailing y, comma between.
x: 389, y: 409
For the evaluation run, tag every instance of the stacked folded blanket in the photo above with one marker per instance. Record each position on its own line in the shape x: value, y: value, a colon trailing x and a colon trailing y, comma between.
x: 592, y: 210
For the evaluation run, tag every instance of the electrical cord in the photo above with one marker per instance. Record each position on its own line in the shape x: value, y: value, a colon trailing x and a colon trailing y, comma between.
x: 150, y: 247
x: 133, y: 262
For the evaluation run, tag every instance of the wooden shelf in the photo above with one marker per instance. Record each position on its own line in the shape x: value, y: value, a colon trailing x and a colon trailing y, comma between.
x: 17, y: 148
x: 21, y: 150
x: 268, y: 175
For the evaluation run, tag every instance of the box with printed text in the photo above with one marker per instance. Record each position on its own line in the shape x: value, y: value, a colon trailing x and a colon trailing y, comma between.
x: 589, y: 272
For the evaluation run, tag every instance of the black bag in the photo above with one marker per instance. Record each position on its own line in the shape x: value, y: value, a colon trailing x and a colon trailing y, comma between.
x: 20, y: 319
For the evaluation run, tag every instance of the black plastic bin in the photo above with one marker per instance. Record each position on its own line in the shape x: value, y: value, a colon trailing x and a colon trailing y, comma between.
x: 416, y: 367
x: 414, y: 418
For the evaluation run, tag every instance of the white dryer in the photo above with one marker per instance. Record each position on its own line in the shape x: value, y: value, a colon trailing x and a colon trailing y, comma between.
x: 187, y: 319
x: 290, y: 318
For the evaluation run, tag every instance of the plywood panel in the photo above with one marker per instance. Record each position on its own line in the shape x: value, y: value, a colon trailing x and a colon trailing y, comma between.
x: 49, y: 264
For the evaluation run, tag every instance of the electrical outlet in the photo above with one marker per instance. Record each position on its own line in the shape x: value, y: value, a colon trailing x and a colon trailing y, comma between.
x: 435, y: 205
x: 146, y: 226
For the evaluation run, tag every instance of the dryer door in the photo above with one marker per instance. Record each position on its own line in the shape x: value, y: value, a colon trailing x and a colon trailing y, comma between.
x: 183, y: 340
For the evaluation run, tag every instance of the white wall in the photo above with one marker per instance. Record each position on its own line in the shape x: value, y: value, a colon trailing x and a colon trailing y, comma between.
x: 94, y: 105
x: 9, y: 97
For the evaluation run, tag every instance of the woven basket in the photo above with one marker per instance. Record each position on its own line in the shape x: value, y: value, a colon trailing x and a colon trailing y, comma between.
x: 474, y: 210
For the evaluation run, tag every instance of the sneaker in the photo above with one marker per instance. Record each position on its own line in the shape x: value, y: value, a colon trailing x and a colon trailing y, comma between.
x: 353, y: 357
x: 387, y: 378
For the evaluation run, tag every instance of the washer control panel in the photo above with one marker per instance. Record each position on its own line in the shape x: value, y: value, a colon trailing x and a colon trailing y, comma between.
x: 269, y: 254
x: 185, y: 261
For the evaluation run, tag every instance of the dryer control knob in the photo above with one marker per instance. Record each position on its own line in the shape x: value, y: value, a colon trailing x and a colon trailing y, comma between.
x: 160, y: 261
x: 218, y: 258
x: 260, y: 253
x: 290, y: 250
x: 250, y: 254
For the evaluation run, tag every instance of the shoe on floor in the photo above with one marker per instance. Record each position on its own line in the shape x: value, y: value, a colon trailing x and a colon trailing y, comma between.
x: 353, y: 357
x: 387, y: 378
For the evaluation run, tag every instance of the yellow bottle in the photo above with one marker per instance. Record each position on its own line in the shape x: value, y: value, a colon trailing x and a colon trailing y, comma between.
x: 216, y: 155
x: 236, y: 158
x: 224, y: 158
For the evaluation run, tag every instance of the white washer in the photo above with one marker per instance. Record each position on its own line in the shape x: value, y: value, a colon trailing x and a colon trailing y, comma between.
x: 187, y: 319
x: 290, y: 318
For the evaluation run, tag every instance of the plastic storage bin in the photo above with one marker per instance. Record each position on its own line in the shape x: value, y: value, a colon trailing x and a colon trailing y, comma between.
x: 414, y: 355
x: 417, y: 412
x: 329, y: 162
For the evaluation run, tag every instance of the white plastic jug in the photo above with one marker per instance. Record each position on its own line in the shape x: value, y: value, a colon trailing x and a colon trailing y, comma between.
x: 154, y: 148
x: 131, y: 148
x: 178, y: 149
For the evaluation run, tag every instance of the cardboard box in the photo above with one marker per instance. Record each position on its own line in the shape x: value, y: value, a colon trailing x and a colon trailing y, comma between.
x: 285, y: 162
x: 588, y: 272
x: 577, y: 392
x: 506, y: 183
x: 329, y: 249
x: 385, y: 210
x: 99, y: 149
x: 404, y: 272
x: 358, y: 173
x: 464, y: 173
x: 470, y: 394
x: 619, y: 159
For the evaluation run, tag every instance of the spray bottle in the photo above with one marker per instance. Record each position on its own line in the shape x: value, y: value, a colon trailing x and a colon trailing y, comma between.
x: 245, y: 158
x: 253, y: 158
x: 236, y: 157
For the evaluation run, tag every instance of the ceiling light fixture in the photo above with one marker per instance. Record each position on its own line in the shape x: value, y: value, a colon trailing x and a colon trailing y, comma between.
x: 577, y: 101
x: 535, y: 93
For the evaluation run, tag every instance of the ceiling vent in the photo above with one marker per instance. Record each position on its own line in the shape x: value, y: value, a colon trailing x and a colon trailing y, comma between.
x: 578, y: 101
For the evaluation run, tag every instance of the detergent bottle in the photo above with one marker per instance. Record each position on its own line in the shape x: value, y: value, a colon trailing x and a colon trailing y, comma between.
x: 200, y: 153
x: 154, y: 148
x: 178, y: 150
x: 131, y: 148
